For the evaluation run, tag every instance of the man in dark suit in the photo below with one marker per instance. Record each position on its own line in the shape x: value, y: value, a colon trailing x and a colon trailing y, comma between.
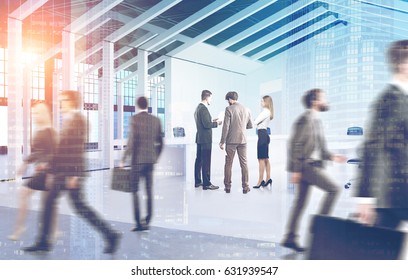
x: 204, y: 124
x: 384, y: 195
x: 145, y: 144
x: 236, y: 121
x: 68, y: 169
x: 307, y: 153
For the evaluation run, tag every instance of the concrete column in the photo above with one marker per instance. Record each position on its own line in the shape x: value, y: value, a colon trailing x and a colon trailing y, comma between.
x: 68, y: 60
x: 142, y: 72
x: 15, y: 95
x: 27, y: 134
x: 168, y: 109
x: 106, y: 105
x: 154, y: 100
x: 120, y: 111
x: 55, y: 103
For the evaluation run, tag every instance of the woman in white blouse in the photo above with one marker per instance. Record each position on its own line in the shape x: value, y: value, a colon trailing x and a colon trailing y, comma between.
x: 262, y: 123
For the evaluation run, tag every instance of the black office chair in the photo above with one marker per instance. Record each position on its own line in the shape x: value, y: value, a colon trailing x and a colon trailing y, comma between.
x: 353, y: 131
x: 178, y: 132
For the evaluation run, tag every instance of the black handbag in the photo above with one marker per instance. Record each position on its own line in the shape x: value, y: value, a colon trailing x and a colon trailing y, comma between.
x: 342, y: 239
x: 121, y: 179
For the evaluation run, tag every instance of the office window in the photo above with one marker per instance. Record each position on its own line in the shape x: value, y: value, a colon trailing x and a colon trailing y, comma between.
x: 129, y: 92
x: 38, y: 83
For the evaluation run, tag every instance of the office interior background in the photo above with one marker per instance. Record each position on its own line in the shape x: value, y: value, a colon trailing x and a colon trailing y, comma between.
x: 115, y: 50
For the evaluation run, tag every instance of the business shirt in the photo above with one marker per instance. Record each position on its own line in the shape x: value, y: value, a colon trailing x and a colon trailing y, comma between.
x: 263, y: 119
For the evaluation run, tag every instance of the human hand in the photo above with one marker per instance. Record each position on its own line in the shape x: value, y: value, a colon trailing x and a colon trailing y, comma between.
x: 366, y: 213
x: 49, y: 181
x: 339, y: 158
x: 41, y: 167
x: 221, y: 146
x: 21, y: 170
x: 296, y: 177
x: 72, y: 182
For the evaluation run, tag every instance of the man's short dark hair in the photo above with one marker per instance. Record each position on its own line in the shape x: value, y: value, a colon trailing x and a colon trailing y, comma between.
x: 310, y: 96
x: 142, y: 102
x: 231, y: 95
x: 204, y: 94
x: 397, y: 53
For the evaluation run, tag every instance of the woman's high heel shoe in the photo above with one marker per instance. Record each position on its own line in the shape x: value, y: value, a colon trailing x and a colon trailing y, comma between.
x: 262, y: 184
x: 268, y: 183
x: 16, y: 235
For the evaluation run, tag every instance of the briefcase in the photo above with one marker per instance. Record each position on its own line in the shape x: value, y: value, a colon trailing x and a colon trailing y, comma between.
x: 341, y: 239
x: 121, y: 179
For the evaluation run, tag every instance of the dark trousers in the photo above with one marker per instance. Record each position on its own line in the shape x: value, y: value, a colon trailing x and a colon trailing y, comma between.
x: 142, y: 170
x: 391, y: 217
x: 311, y: 175
x: 202, y: 165
x: 77, y: 200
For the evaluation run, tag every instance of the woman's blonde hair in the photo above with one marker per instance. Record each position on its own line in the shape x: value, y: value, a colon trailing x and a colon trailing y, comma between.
x: 269, y: 105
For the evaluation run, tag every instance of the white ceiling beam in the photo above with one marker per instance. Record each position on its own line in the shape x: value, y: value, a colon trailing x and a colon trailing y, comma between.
x: 91, y: 15
x: 118, y: 53
x: 128, y: 77
x: 27, y: 9
x: 156, y: 74
x: 50, y: 53
x: 217, y: 28
x: 142, y: 19
x: 250, y: 10
x: 265, y: 23
x: 291, y: 39
x: 93, y: 26
x: 282, y: 30
x: 135, y: 44
x: 147, y: 27
x: 86, y: 53
x: 126, y: 64
x: 185, y: 24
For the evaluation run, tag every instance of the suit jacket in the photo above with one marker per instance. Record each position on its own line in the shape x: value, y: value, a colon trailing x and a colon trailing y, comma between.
x: 305, y: 137
x: 385, y: 149
x: 43, y: 147
x: 70, y: 159
x: 145, y: 142
x: 204, y: 124
x: 237, y: 119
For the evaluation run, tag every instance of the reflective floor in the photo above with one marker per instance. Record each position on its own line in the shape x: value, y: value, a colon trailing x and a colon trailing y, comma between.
x: 188, y: 223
